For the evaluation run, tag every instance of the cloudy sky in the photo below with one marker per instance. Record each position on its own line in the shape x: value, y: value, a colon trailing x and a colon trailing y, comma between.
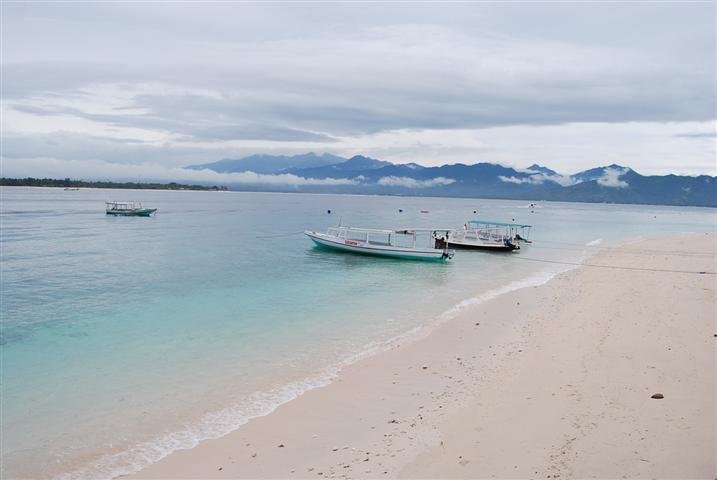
x: 112, y: 90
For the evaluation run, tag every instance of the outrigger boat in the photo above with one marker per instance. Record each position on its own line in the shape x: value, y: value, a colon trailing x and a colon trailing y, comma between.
x: 129, y: 209
x: 414, y: 243
x: 489, y: 235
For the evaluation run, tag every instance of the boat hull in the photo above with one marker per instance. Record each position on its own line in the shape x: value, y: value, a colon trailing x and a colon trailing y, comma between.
x: 145, y: 212
x: 484, y: 246
x: 377, y: 250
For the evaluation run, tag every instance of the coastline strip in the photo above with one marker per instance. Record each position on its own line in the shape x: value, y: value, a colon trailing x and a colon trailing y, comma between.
x: 554, y: 380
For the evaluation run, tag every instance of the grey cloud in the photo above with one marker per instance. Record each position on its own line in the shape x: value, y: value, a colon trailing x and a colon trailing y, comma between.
x: 58, y: 78
x: 254, y: 132
x: 198, y: 124
x: 74, y: 146
x: 410, y: 76
x: 697, y: 135
x: 316, y: 72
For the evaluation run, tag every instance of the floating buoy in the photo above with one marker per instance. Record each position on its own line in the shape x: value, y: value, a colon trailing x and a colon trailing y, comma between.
x: 475, y: 211
x: 328, y: 211
x: 424, y: 211
x: 400, y: 210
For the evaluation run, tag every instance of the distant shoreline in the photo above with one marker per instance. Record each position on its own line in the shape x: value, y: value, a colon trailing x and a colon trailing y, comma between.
x: 68, y: 183
x: 18, y: 182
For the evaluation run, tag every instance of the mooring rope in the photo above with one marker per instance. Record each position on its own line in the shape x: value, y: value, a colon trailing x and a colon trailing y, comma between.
x: 629, y: 249
x: 616, y: 267
x: 626, y: 250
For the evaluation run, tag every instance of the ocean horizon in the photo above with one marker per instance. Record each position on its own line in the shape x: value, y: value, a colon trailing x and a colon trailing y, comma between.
x: 124, y: 339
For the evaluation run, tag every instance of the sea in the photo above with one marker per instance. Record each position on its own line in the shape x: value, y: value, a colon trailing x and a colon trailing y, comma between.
x: 124, y: 339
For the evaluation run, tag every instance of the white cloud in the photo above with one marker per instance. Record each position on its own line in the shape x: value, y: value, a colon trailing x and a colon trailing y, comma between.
x: 284, y: 179
x: 611, y: 178
x: 539, y: 178
x: 408, y: 182
x: 559, y: 179
x: 517, y: 180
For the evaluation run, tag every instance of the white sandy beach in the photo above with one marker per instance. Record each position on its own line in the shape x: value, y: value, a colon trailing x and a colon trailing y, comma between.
x: 552, y: 381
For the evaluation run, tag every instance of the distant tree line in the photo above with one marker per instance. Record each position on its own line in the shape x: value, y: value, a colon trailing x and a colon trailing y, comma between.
x: 53, y: 182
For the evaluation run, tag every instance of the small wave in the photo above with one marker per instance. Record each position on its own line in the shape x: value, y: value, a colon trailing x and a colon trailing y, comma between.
x: 424, y: 330
x: 534, y: 280
x: 592, y: 243
x: 213, y: 425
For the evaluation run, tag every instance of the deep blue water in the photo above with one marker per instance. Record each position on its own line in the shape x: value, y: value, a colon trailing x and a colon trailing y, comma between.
x: 126, y: 338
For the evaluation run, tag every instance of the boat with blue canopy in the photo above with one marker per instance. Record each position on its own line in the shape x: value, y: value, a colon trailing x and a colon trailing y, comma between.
x: 490, y: 235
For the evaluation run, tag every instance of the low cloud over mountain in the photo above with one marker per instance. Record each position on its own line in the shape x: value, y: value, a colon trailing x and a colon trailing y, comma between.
x: 359, y: 174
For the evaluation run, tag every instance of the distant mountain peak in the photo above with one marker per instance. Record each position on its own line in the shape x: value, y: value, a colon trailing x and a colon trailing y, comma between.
x: 414, y: 166
x: 360, y: 162
x: 541, y: 169
x: 597, y: 172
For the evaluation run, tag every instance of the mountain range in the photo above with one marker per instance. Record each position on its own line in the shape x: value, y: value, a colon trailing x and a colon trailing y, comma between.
x: 313, y: 172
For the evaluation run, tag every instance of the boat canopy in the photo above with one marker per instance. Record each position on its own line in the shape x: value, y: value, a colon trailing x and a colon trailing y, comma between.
x: 498, y: 224
x: 123, y: 203
x: 122, y: 206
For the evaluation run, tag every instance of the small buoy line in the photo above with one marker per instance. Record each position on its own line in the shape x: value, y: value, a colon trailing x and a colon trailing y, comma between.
x: 615, y: 267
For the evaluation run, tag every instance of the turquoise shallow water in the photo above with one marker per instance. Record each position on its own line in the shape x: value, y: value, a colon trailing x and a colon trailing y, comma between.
x: 124, y: 339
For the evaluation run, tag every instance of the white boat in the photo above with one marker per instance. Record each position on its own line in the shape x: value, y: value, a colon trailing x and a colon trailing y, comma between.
x: 489, y: 235
x: 417, y: 244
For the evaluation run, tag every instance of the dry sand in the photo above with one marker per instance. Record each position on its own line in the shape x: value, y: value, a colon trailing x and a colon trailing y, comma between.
x: 545, y: 382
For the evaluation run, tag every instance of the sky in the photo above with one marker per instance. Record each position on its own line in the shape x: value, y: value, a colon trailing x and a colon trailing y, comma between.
x: 120, y: 90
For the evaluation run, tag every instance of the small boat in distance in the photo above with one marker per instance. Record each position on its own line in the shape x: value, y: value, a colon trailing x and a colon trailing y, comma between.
x: 128, y: 209
x: 416, y: 244
x: 71, y: 189
x: 489, y: 235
